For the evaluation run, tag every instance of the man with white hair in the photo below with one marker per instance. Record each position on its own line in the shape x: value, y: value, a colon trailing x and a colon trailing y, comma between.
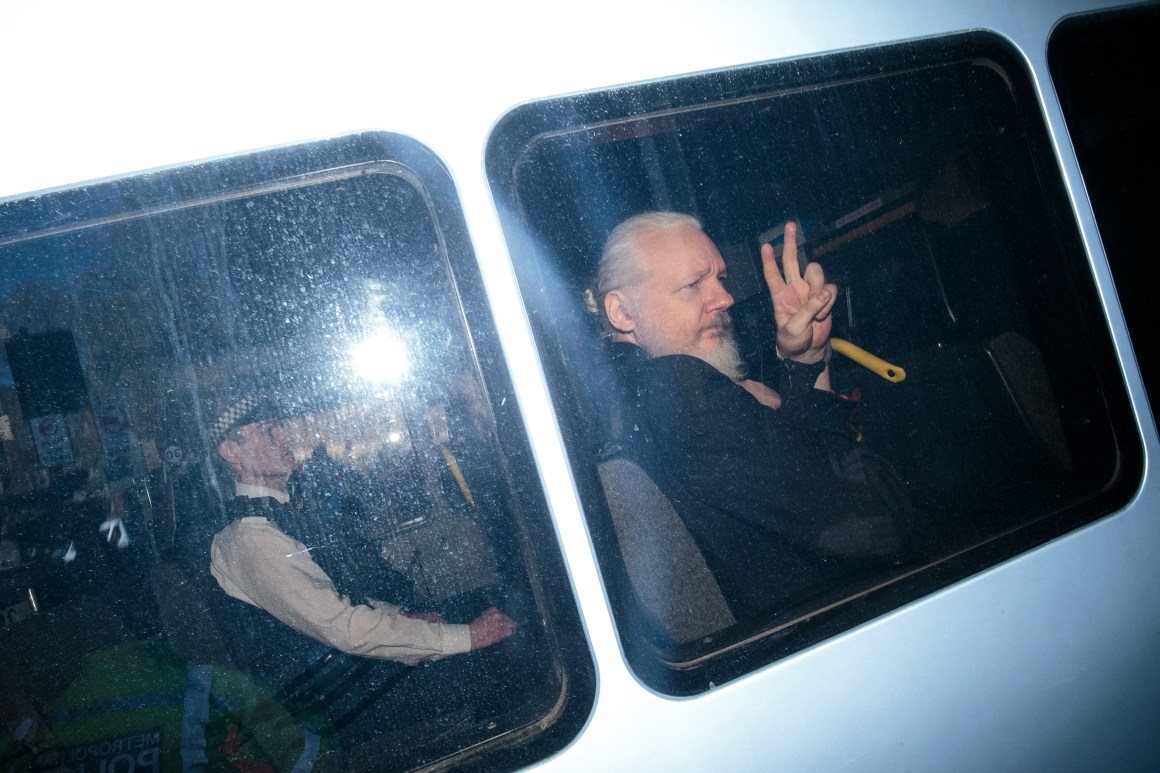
x: 769, y: 481
x: 660, y: 285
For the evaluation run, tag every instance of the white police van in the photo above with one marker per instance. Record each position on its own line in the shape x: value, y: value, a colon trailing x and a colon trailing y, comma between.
x: 391, y: 212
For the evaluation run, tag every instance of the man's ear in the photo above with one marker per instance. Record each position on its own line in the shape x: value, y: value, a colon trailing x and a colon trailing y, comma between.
x: 619, y: 313
x: 230, y: 451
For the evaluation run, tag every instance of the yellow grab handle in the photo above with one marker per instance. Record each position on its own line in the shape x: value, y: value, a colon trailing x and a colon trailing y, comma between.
x: 458, y: 473
x: 891, y: 373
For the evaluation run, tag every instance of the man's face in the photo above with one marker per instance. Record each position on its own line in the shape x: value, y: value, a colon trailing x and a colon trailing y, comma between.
x: 264, y: 449
x: 680, y: 306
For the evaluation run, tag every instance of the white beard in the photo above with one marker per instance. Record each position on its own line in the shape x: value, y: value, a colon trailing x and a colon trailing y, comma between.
x: 726, y: 358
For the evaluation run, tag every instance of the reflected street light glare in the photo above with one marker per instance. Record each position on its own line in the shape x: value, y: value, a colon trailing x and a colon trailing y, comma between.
x: 381, y: 358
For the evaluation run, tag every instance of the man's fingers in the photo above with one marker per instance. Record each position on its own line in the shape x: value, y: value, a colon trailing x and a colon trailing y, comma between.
x: 789, y: 256
x: 815, y: 277
x: 818, y: 305
x: 769, y: 267
x: 814, y: 309
x: 828, y: 304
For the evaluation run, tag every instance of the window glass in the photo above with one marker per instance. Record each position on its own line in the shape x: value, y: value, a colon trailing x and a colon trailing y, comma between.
x: 921, y: 180
x: 265, y: 498
x: 1107, y: 72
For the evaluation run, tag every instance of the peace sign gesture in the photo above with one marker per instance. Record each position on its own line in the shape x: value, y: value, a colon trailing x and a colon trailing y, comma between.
x: 801, y: 302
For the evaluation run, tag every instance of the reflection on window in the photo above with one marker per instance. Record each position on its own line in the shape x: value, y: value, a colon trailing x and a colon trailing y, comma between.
x: 253, y: 484
x: 919, y: 177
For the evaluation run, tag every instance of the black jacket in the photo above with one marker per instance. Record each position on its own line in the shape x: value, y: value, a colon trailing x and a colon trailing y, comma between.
x: 757, y: 488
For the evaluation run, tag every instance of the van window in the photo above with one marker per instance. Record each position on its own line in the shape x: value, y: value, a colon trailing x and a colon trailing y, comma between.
x: 921, y: 179
x: 1106, y: 70
x: 281, y: 365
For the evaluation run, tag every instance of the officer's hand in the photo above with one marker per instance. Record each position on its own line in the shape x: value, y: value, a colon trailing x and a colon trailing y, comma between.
x: 489, y: 628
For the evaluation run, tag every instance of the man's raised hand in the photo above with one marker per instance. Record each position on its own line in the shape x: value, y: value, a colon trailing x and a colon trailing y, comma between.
x: 801, y: 302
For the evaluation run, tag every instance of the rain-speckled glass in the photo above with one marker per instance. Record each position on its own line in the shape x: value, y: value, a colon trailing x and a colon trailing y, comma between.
x: 322, y: 309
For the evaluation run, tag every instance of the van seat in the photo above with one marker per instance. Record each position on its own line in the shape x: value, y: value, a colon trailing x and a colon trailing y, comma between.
x: 669, y: 575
